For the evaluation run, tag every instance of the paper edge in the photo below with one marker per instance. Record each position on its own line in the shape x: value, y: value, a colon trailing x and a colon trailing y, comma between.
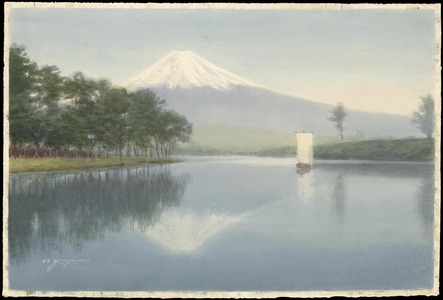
x: 218, y: 294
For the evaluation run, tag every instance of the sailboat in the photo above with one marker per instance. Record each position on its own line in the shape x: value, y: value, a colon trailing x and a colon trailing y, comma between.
x: 304, y: 151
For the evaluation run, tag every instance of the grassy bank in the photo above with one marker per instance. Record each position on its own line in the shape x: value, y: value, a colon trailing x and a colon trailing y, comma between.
x: 57, y: 164
x: 384, y: 150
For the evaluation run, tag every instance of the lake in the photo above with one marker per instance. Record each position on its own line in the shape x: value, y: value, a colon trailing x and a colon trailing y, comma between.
x: 224, y: 224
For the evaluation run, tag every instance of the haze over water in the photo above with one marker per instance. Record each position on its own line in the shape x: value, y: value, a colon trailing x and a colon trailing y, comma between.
x: 224, y: 224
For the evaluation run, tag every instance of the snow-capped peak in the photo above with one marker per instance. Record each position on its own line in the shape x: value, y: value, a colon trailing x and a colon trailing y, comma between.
x: 186, y: 70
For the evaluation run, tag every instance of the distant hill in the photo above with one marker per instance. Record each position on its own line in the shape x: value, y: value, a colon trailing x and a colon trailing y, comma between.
x: 208, y: 95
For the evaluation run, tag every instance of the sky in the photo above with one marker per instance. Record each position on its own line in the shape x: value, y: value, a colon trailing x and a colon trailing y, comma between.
x: 379, y: 60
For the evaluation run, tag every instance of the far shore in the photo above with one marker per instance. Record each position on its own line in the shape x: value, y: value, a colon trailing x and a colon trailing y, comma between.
x: 406, y: 150
x: 24, y: 165
x: 401, y: 150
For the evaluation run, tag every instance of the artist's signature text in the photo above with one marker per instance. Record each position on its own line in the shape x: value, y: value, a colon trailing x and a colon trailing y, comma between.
x: 62, y: 262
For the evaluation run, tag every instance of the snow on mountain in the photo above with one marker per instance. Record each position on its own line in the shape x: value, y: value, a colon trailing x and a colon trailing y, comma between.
x: 185, y: 69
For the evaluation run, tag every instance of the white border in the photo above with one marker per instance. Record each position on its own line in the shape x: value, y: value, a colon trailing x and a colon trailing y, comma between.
x: 238, y: 294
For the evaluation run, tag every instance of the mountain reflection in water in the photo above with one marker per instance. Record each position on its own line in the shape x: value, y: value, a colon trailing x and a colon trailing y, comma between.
x: 182, y: 231
x: 51, y: 212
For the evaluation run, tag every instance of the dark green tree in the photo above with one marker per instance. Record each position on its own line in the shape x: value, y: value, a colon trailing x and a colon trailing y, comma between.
x: 424, y: 117
x: 22, y: 79
x: 143, y: 114
x: 171, y: 129
x: 112, y: 110
x: 49, y: 90
x: 83, y: 120
x: 58, y: 134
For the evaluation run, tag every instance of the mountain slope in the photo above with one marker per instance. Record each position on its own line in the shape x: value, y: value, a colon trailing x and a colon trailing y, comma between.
x: 261, y: 108
x: 207, y: 94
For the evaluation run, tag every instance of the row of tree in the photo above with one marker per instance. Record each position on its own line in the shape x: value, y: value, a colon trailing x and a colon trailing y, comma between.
x: 57, y: 116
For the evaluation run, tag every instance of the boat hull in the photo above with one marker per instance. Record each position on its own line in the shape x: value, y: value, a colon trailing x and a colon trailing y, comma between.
x: 303, y: 168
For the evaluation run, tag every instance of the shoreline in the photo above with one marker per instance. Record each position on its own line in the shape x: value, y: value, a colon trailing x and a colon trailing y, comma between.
x: 401, y: 150
x: 31, y: 165
x: 35, y: 165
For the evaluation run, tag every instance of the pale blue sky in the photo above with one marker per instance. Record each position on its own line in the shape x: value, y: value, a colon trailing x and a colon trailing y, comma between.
x: 376, y: 60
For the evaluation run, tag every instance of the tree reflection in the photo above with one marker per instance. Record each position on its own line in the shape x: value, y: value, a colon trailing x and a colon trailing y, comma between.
x: 49, y: 212
x: 425, y: 203
x: 338, y: 195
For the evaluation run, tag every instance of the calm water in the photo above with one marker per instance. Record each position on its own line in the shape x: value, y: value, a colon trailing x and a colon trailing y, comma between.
x: 225, y: 224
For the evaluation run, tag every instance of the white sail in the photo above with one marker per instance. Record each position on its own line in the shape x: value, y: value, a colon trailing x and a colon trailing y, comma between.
x: 304, y: 147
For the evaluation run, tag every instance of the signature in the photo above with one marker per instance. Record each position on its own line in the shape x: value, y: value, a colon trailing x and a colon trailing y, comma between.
x: 62, y: 262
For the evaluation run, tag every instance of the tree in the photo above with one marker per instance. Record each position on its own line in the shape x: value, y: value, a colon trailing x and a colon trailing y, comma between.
x: 339, y: 114
x: 49, y: 90
x: 22, y: 77
x: 82, y: 120
x: 111, y: 113
x: 143, y: 114
x: 172, y: 128
x: 424, y: 116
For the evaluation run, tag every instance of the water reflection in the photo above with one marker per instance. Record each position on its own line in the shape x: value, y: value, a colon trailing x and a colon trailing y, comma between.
x: 185, y: 231
x: 186, y: 228
x: 305, y: 185
x: 425, y: 204
x: 338, y: 196
x: 50, y: 212
x: 235, y: 227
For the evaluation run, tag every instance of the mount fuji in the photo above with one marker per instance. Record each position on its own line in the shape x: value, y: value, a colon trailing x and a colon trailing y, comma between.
x: 207, y: 94
x: 184, y: 69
